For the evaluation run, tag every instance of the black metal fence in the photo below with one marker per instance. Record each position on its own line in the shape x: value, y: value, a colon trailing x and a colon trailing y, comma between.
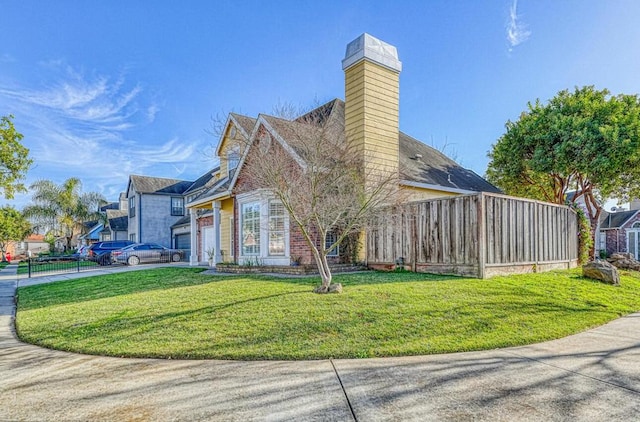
x: 55, y: 265
x: 60, y: 264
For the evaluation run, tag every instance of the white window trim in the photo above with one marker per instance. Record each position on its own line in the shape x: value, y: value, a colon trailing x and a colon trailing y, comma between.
x: 336, y: 251
x: 635, y: 230
x: 232, y: 241
x: 242, y: 221
x: 263, y: 197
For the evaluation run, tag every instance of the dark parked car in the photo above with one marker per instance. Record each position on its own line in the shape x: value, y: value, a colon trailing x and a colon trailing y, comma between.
x: 145, y: 253
x: 100, y: 252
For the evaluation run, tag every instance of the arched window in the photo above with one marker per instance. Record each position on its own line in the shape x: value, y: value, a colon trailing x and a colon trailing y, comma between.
x: 636, y: 225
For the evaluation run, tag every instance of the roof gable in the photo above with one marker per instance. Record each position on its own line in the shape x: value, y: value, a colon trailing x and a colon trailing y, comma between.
x: 243, y: 124
x: 420, y: 165
x: 158, y: 185
x: 617, y: 220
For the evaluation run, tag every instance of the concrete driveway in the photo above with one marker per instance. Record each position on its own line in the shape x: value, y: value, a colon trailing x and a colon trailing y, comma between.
x: 590, y: 376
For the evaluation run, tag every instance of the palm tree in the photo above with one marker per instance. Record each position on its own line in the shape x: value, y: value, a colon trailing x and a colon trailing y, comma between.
x: 63, y: 209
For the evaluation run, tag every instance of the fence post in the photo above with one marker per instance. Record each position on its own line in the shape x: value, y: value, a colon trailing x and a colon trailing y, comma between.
x: 29, y: 267
x: 482, y: 239
x: 78, y: 261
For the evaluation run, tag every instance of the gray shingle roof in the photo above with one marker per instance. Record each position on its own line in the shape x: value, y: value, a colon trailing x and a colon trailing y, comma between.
x: 203, y: 180
x: 118, y: 220
x: 419, y: 163
x: 616, y: 220
x: 148, y: 184
x: 219, y: 187
x: 182, y: 222
x: 247, y: 123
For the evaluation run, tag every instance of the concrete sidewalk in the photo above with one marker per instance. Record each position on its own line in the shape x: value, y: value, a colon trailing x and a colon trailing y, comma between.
x: 590, y: 376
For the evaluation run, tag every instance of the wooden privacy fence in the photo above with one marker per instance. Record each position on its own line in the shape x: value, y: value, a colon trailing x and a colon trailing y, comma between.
x: 477, y: 235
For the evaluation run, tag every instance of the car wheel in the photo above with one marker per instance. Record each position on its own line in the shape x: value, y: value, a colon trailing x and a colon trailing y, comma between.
x: 133, y: 260
x: 175, y: 257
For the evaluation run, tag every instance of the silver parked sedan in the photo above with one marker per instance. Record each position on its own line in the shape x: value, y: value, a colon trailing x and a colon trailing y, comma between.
x: 145, y: 253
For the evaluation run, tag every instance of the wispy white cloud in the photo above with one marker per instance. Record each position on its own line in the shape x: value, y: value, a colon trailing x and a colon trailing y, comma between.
x: 85, y: 125
x: 517, y: 31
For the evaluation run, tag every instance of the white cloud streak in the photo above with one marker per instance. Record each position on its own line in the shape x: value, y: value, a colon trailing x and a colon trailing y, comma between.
x: 517, y: 31
x: 78, y: 126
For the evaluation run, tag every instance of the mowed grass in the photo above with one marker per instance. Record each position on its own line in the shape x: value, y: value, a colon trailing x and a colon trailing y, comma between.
x: 180, y: 313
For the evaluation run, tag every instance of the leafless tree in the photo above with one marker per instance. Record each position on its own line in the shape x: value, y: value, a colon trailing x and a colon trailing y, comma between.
x: 324, y: 180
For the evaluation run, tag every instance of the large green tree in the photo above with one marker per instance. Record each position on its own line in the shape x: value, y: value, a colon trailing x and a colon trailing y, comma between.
x: 13, y: 227
x: 586, y: 140
x: 14, y: 158
x: 62, y: 209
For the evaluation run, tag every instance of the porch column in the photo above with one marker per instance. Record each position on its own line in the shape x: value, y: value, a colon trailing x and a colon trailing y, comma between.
x: 216, y: 231
x: 193, y: 258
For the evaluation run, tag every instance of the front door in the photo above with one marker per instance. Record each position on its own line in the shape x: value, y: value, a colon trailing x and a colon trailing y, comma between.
x: 208, y: 243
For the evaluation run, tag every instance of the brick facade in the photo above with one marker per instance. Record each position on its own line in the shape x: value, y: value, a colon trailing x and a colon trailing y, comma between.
x: 617, y: 238
x: 298, y: 246
x: 200, y: 223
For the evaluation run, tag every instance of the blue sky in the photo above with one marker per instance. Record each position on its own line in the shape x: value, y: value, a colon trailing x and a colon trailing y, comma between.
x: 102, y: 90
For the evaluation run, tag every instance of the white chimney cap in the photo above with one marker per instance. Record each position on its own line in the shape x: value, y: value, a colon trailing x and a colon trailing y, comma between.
x: 366, y: 47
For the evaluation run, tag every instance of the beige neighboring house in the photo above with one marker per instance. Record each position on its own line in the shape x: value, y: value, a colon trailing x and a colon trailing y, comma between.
x: 34, y: 243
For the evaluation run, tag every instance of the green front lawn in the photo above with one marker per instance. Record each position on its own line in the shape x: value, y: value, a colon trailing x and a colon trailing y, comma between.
x: 179, y: 313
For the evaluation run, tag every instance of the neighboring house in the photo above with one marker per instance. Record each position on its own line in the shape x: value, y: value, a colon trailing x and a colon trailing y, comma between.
x: 117, y: 225
x: 92, y: 231
x: 620, y: 232
x: 155, y: 205
x: 34, y: 243
x: 372, y: 95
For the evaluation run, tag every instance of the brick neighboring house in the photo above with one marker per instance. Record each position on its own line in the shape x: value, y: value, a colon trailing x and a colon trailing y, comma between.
x: 620, y: 232
x: 237, y: 224
x: 155, y: 205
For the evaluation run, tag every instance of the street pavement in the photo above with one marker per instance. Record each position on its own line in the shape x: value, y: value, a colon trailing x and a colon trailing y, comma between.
x: 591, y: 376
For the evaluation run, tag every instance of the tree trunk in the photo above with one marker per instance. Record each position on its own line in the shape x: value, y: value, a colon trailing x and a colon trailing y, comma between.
x: 323, y: 269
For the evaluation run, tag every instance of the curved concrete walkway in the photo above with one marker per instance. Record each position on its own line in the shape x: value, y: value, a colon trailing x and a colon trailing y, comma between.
x: 590, y: 376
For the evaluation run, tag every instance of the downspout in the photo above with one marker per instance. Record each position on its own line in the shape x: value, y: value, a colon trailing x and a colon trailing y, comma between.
x: 139, y: 218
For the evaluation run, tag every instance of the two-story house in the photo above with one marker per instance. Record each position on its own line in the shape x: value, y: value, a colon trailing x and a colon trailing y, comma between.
x: 246, y: 226
x: 156, y: 208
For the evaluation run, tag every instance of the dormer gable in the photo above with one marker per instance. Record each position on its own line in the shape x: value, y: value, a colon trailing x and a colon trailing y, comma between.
x: 233, y: 141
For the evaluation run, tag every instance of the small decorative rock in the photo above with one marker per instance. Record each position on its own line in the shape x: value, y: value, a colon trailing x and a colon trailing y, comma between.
x: 601, y: 270
x: 333, y: 288
x: 624, y: 261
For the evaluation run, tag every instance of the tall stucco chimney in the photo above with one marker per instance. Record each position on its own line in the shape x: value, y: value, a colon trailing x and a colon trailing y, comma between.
x: 372, y: 84
x: 634, y: 204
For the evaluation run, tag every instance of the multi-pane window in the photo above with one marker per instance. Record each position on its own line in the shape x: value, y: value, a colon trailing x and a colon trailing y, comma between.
x: 132, y: 237
x: 250, y: 228
x: 177, y: 206
x: 132, y: 206
x: 329, y: 240
x: 276, y: 228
